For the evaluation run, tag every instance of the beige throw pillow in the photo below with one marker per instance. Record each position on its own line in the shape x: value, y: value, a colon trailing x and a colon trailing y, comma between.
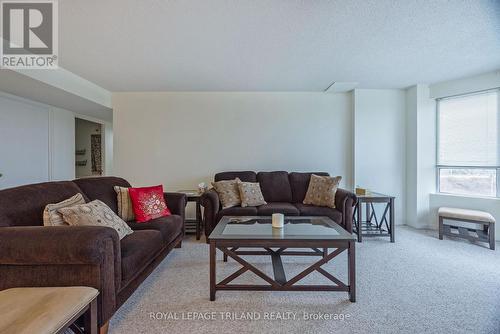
x: 53, y: 218
x: 322, y: 190
x: 95, y: 213
x: 250, y: 194
x: 228, y: 192
x: 125, y: 209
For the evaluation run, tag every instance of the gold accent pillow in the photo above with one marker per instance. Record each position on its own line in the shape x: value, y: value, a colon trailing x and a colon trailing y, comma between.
x: 95, y: 213
x: 53, y: 218
x: 125, y: 209
x: 322, y: 190
x: 250, y: 194
x: 228, y: 192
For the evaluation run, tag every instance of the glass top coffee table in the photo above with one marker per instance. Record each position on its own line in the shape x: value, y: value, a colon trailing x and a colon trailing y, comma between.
x: 315, y: 236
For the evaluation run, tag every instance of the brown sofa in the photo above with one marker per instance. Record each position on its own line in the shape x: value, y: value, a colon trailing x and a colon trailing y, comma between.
x: 36, y: 255
x: 284, y: 193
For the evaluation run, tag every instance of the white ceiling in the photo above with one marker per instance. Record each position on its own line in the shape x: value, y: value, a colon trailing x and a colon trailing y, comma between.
x: 276, y: 45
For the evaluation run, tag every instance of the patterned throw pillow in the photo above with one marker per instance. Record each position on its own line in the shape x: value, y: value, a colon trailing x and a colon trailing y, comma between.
x: 125, y: 209
x: 228, y: 192
x: 250, y: 194
x: 53, y: 218
x: 148, y: 203
x: 95, y: 213
x: 322, y: 190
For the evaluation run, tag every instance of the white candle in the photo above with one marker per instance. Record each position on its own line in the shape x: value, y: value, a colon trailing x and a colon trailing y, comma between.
x: 278, y: 220
x: 278, y: 232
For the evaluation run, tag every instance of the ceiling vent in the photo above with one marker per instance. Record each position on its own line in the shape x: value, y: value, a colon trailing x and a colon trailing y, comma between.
x: 341, y: 87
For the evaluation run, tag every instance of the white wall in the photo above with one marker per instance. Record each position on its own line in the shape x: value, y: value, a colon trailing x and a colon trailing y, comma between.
x: 108, y: 149
x: 181, y: 139
x: 379, y: 144
x: 426, y: 150
x: 420, y: 155
x: 24, y: 137
x: 62, y: 148
x: 411, y: 156
x: 37, y: 142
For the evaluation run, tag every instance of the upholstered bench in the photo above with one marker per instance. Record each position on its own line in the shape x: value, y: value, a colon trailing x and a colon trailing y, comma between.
x: 48, y: 310
x: 472, y: 217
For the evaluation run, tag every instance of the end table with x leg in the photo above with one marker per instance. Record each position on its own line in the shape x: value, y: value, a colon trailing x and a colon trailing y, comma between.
x: 194, y: 225
x: 373, y: 225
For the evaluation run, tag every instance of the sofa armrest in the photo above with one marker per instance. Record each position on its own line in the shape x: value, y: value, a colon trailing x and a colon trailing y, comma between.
x: 211, y: 204
x: 34, y: 256
x: 55, y: 244
x: 176, y: 203
x: 345, y: 201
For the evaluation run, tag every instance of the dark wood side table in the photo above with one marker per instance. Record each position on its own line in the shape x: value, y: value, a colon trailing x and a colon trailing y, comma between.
x: 372, y: 226
x: 194, y: 225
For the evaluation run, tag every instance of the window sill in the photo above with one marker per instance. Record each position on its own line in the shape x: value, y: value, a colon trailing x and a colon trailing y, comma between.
x: 472, y: 197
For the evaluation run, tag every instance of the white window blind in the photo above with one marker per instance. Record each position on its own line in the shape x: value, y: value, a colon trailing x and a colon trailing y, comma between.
x: 468, y: 130
x: 469, y: 144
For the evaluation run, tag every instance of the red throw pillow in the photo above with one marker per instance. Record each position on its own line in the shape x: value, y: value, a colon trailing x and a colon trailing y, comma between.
x: 148, y: 203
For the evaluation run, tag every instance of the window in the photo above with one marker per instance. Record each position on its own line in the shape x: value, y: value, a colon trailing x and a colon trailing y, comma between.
x: 469, y: 144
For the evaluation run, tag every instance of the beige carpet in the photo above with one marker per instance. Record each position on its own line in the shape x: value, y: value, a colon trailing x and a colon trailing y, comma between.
x: 417, y: 285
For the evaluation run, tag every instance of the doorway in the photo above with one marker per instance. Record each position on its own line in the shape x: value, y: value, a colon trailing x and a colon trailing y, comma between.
x: 88, y: 148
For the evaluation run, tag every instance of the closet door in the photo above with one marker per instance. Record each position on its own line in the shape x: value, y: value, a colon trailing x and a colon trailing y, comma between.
x: 24, y: 143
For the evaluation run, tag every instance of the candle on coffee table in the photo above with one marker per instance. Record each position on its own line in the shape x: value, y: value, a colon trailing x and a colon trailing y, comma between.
x: 278, y: 220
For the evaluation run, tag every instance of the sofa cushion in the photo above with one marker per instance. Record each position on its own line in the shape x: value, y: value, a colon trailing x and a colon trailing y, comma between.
x: 148, y: 203
x: 229, y: 194
x: 275, y: 186
x: 170, y: 227
x: 322, y: 190
x: 102, y: 188
x: 95, y: 213
x: 138, y: 250
x: 278, y: 207
x: 24, y: 205
x: 125, y: 209
x: 237, y: 211
x: 311, y: 210
x: 250, y: 194
x: 51, y: 217
x: 245, y: 176
x: 299, y: 182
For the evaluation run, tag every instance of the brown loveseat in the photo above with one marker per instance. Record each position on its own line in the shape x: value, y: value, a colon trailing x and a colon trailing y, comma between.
x: 284, y: 193
x: 36, y: 255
